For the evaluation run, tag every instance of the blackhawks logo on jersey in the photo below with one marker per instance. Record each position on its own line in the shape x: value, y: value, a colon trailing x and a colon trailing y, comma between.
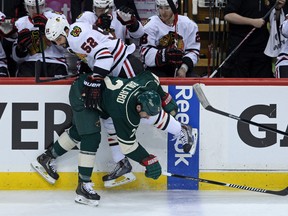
x: 171, y: 39
x: 35, y: 47
x: 76, y: 31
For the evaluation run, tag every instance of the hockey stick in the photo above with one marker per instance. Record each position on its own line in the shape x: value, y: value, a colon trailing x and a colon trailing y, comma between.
x: 38, y: 65
x: 205, y: 103
x: 185, y: 8
x: 241, y: 42
x: 283, y: 192
x: 37, y: 73
x: 175, y: 12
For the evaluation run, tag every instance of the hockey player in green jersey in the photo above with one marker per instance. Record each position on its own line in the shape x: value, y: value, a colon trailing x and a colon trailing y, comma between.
x: 130, y: 101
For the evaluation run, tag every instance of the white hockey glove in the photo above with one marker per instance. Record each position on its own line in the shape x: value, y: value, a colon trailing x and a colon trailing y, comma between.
x: 127, y: 17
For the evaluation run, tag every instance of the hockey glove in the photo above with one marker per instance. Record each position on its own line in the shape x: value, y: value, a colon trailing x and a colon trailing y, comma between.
x: 92, y: 91
x: 169, y: 105
x: 169, y: 56
x: 7, y: 28
x: 153, y: 168
x: 127, y: 17
x: 40, y: 21
x: 24, y: 39
x: 104, y: 21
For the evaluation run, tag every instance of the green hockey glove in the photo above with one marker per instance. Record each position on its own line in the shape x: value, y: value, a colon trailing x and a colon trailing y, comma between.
x: 153, y: 168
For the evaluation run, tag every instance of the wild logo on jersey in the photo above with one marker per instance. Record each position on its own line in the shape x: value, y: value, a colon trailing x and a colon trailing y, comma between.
x: 36, y: 48
x: 76, y: 31
x: 171, y: 39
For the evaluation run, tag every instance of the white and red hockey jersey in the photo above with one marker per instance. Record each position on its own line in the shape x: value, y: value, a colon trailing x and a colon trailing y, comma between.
x: 120, y: 30
x: 97, y: 49
x: 53, y: 53
x: 157, y: 34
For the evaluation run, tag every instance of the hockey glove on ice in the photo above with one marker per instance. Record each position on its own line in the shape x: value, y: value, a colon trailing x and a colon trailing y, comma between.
x: 92, y: 91
x: 169, y: 105
x: 153, y: 168
x: 24, y: 39
x: 104, y: 21
x: 169, y: 56
x: 127, y: 17
x: 40, y: 21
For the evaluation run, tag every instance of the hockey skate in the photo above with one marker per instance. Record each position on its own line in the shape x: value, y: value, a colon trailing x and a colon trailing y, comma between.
x: 189, y: 137
x: 120, y: 175
x: 45, y: 165
x: 86, y: 194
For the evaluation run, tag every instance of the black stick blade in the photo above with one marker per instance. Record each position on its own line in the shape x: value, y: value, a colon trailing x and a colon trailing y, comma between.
x: 283, y: 192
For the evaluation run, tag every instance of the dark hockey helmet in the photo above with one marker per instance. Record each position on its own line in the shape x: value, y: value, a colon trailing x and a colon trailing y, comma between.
x: 150, y: 102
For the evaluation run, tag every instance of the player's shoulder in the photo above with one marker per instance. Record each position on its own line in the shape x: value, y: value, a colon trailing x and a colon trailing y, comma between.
x: 78, y: 29
x: 22, y: 19
x: 85, y: 15
x: 186, y: 20
x: 22, y: 22
x: 151, y: 21
x: 82, y: 25
x: 52, y: 13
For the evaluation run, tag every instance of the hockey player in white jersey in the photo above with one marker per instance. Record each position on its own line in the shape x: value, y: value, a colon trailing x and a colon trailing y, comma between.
x: 122, y: 23
x: 27, y: 49
x: 171, y: 43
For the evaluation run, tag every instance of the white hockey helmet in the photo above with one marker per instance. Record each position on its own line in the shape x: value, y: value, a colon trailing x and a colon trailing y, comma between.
x: 32, y: 3
x: 55, y: 27
x: 103, y: 3
x: 165, y: 3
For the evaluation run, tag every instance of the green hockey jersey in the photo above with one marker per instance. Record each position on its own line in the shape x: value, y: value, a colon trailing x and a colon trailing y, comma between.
x: 119, y: 100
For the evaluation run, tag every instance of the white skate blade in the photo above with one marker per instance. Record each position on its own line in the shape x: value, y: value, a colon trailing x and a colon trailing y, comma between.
x: 39, y: 168
x: 124, y: 179
x: 82, y: 200
x: 195, y: 139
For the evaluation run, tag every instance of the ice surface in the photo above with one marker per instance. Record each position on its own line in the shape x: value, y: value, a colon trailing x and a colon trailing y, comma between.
x: 140, y: 203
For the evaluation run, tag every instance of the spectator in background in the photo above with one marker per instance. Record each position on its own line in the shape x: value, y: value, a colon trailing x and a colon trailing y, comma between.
x: 249, y: 61
x: 78, y: 6
x: 171, y: 43
x: 27, y: 49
